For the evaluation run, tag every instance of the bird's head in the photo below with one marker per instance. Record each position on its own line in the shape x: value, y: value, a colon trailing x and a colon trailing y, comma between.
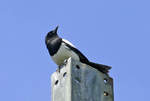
x: 52, y: 34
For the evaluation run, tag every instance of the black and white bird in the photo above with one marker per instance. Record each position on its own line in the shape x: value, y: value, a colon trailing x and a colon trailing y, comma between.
x: 61, y: 49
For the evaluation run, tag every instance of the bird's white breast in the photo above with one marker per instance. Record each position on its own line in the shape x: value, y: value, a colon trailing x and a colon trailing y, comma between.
x: 64, y: 53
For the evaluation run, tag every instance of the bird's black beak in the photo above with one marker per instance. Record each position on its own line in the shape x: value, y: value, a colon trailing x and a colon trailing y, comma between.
x: 55, y: 30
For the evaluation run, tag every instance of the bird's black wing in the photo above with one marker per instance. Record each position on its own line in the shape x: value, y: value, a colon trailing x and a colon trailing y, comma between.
x: 83, y: 59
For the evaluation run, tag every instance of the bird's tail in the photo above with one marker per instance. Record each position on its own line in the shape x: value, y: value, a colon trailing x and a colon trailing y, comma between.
x: 100, y: 67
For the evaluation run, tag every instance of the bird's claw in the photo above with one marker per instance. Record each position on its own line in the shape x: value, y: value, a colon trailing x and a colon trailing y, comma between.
x: 59, y: 67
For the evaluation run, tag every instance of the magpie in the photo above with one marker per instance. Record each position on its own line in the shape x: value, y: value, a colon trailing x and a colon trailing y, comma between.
x: 61, y: 49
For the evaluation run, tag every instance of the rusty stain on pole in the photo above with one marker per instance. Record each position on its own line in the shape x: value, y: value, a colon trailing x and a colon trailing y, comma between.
x: 79, y: 82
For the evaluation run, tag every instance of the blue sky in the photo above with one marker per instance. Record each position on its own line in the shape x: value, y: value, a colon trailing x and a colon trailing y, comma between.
x: 112, y: 32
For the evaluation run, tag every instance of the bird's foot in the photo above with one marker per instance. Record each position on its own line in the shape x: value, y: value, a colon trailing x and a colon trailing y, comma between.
x: 62, y: 65
x: 59, y: 68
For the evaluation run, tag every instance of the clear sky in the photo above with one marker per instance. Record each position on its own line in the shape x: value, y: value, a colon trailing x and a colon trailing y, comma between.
x: 112, y: 32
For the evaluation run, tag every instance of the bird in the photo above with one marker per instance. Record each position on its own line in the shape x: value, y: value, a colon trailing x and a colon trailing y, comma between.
x: 61, y: 49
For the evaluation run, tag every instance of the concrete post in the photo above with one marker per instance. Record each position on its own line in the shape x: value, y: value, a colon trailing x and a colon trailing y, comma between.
x: 79, y: 82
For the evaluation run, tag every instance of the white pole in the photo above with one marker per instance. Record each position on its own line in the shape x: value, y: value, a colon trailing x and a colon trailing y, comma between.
x: 79, y: 82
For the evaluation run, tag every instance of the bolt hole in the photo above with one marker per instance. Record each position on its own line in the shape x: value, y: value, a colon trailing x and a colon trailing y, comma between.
x: 64, y: 74
x: 105, y: 93
x: 77, y: 66
x: 105, y: 80
x: 56, y: 82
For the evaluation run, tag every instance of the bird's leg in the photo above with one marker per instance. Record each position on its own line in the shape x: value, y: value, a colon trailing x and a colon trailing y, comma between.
x: 60, y: 66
